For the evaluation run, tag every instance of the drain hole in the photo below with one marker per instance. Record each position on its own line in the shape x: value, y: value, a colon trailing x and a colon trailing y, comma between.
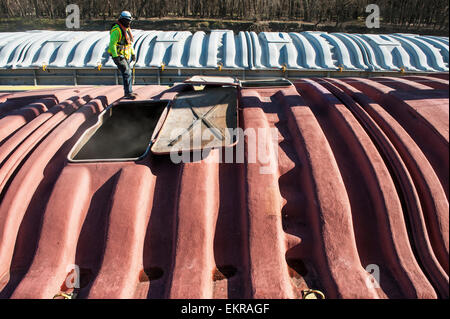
x: 222, y: 272
x: 297, y: 267
x: 152, y: 273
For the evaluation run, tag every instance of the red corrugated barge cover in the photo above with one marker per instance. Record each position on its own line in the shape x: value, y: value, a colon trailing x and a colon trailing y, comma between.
x: 356, y: 181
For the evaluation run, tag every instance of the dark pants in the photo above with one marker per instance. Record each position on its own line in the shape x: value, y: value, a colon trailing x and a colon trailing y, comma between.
x: 125, y: 69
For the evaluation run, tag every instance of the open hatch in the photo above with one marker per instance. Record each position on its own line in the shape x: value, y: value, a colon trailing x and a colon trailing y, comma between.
x: 195, y: 120
x: 124, y: 131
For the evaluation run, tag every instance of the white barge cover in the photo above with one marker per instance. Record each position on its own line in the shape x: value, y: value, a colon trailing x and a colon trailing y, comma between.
x: 226, y: 50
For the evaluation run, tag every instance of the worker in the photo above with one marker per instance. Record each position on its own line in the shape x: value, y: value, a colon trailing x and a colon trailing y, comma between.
x: 122, y: 52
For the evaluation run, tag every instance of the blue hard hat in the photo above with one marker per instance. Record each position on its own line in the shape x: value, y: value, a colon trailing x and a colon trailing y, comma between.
x: 126, y: 15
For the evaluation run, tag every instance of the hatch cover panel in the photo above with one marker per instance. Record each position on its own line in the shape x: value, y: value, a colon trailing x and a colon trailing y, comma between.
x: 212, y: 80
x: 199, y: 120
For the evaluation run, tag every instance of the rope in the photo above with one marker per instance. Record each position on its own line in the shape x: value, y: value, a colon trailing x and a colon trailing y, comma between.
x: 312, y: 294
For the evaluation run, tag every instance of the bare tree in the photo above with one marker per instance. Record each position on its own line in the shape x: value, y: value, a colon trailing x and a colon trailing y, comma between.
x: 405, y: 13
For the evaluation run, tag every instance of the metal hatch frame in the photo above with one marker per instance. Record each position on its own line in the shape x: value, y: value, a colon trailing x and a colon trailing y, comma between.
x: 265, y: 83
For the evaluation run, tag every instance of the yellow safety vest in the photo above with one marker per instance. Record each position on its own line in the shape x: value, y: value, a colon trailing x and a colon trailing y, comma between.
x: 123, y: 48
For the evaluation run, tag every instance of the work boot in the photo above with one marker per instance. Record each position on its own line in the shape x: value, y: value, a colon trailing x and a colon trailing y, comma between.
x: 130, y: 96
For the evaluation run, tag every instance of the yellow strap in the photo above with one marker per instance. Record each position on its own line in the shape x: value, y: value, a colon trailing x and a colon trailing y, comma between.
x: 62, y: 294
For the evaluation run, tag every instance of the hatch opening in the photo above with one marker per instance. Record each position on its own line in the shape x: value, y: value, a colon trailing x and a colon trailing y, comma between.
x: 124, y: 131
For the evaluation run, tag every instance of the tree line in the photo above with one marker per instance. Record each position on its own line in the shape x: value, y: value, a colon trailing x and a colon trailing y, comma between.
x: 405, y: 13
